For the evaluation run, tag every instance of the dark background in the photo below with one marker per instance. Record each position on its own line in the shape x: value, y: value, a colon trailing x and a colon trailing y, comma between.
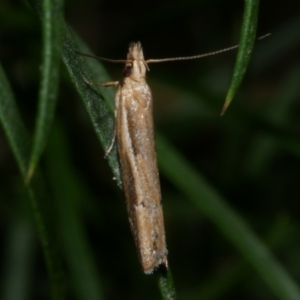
x: 250, y: 155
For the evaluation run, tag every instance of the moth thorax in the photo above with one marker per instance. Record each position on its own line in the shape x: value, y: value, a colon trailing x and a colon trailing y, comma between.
x: 138, y: 70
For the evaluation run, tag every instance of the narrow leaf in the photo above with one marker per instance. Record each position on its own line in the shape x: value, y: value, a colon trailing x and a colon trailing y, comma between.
x: 166, y: 285
x: 18, y: 260
x: 247, y: 40
x: 68, y: 194
x: 52, y: 17
x: 13, y: 125
x: 42, y: 208
x: 97, y: 100
x: 207, y: 200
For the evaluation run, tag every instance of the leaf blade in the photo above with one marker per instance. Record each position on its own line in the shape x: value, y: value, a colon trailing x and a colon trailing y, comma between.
x: 42, y: 208
x: 52, y: 17
x: 207, y: 200
x: 246, y: 45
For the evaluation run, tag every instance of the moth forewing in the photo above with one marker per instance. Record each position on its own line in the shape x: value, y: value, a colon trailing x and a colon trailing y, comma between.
x: 137, y: 155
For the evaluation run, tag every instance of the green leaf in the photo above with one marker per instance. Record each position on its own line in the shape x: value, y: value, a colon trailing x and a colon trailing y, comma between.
x: 97, y: 100
x: 218, y: 284
x: 42, y: 208
x: 52, y: 17
x: 166, y: 285
x: 13, y: 125
x: 207, y: 200
x: 18, y: 260
x: 247, y: 40
x: 68, y: 193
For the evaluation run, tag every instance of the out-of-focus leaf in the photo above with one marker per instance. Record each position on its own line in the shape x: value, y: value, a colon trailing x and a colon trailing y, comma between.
x: 42, y: 208
x: 207, y: 200
x: 86, y: 281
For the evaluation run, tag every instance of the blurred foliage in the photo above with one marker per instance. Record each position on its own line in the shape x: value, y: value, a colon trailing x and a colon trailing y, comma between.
x: 246, y: 160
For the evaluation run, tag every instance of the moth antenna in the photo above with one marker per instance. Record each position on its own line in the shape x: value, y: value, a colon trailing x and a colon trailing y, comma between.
x: 200, y: 55
x: 263, y: 36
x: 105, y: 59
x: 191, y: 57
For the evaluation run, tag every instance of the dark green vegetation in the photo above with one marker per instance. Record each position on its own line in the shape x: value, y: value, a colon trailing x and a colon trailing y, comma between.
x: 230, y: 184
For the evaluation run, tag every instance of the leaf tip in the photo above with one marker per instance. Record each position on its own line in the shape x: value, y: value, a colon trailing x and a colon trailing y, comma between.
x: 225, y: 106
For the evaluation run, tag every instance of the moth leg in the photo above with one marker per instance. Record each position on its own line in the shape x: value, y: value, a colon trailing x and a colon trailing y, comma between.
x: 117, y: 100
x: 110, y: 83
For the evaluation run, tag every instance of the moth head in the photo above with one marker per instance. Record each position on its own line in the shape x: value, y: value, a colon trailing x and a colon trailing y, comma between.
x: 135, y: 52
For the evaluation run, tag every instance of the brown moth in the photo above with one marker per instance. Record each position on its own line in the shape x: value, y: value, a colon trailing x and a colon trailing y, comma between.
x: 134, y: 132
x: 137, y: 155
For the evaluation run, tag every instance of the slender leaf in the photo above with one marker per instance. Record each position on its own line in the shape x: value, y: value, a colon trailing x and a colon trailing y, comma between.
x: 265, y: 147
x: 18, y: 263
x: 217, y: 285
x: 13, y: 125
x: 166, y: 285
x: 237, y: 115
x: 42, y: 207
x: 52, y: 17
x: 68, y: 196
x: 247, y: 40
x: 206, y: 199
x: 97, y: 100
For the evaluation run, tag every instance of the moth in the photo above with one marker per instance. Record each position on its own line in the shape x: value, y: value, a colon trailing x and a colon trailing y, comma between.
x: 135, y: 142
x: 134, y: 134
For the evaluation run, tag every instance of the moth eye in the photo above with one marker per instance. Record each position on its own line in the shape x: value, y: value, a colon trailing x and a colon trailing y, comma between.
x: 127, y: 71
